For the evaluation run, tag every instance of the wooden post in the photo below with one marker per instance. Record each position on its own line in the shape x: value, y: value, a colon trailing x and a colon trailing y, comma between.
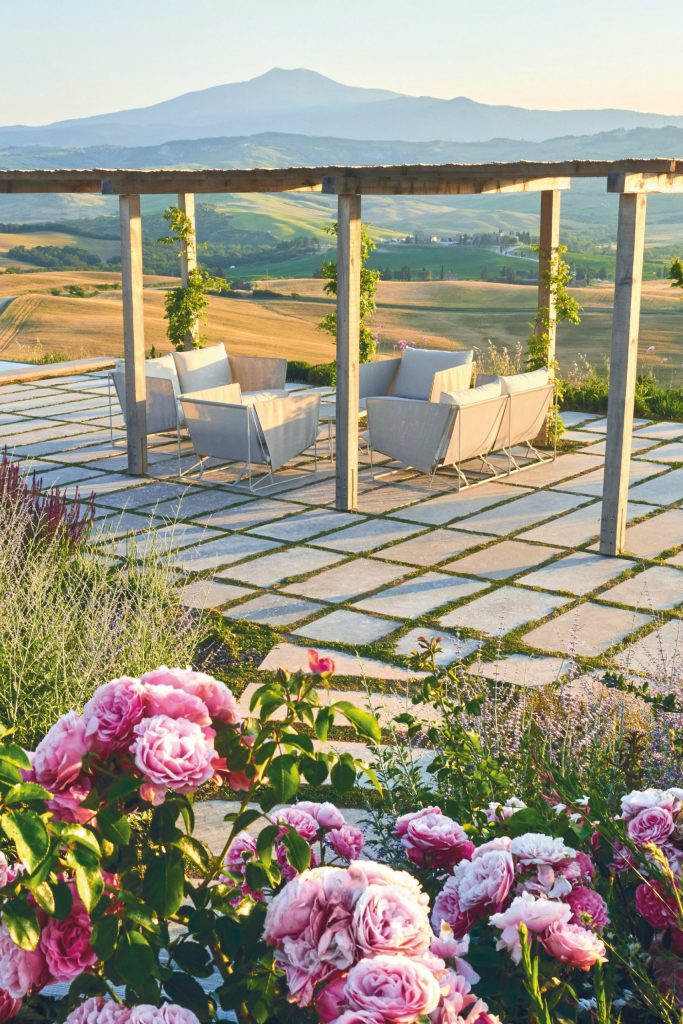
x: 547, y: 252
x: 348, y: 337
x: 133, y: 333
x: 188, y: 258
x: 623, y: 363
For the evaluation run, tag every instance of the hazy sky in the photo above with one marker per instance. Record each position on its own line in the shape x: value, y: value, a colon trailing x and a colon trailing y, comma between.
x: 69, y: 58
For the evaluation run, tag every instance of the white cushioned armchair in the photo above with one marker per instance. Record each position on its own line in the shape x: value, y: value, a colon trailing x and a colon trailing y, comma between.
x: 420, y: 374
x: 259, y: 377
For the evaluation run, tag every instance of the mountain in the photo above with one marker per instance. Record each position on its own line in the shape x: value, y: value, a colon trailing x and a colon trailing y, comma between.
x: 303, y: 102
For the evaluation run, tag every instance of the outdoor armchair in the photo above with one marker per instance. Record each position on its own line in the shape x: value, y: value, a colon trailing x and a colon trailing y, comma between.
x: 531, y: 397
x: 262, y: 433
x: 210, y: 367
x: 421, y: 374
x: 161, y: 406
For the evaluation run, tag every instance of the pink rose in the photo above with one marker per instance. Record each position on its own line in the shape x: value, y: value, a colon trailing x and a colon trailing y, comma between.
x: 21, y: 972
x: 503, y: 812
x: 651, y: 825
x: 362, y: 873
x: 435, y: 840
x: 242, y: 849
x: 112, y: 713
x: 346, y: 841
x: 394, y: 989
x: 401, y: 825
x: 643, y: 799
x: 387, y: 920
x: 573, y: 945
x: 66, y: 944
x: 9, y: 1006
x: 319, y: 666
x: 668, y: 972
x: 588, y: 908
x: 298, y: 820
x: 58, y: 758
x: 68, y: 804
x: 655, y: 904
x: 172, y: 754
x: 326, y: 814
x: 330, y: 1001
x: 447, y: 947
x: 485, y: 881
x: 358, y: 1017
x: 537, y: 913
x: 577, y: 870
x: 447, y: 910
x: 99, y: 1011
x: 174, y: 703
x: 456, y: 998
x: 216, y: 696
x: 288, y: 871
x: 537, y: 848
x: 171, y: 1013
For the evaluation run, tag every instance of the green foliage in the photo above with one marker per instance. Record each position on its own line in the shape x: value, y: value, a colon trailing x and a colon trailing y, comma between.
x: 185, y: 305
x: 317, y: 375
x: 56, y: 257
x: 589, y: 392
x: 368, y: 291
x: 676, y: 273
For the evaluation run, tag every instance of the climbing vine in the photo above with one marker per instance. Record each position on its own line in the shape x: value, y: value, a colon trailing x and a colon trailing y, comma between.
x: 185, y: 305
x: 676, y: 273
x: 368, y: 292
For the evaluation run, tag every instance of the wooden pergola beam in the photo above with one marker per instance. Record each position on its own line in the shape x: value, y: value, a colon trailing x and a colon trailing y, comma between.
x: 549, y: 240
x: 188, y: 259
x: 437, y: 182
x: 348, y: 339
x: 133, y: 333
x: 619, y: 181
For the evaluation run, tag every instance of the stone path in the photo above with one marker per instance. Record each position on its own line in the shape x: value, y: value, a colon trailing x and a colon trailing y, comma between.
x: 507, y: 572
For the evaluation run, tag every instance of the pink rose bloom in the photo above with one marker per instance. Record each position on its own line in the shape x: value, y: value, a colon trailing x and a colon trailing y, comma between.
x: 174, y: 703
x: 577, y: 870
x: 387, y: 920
x: 172, y: 754
x: 99, y: 1011
x: 298, y: 820
x: 361, y: 873
x: 9, y: 1006
x: 485, y: 881
x: 66, y: 944
x: 219, y: 700
x: 588, y: 908
x: 435, y: 840
x: 668, y: 972
x: 653, y: 903
x: 242, y: 849
x: 171, y: 1013
x: 68, y: 805
x: 319, y: 666
x: 58, y: 758
x: 394, y: 989
x: 112, y: 713
x: 623, y: 859
x: 537, y: 848
x: 288, y: 871
x: 503, y: 812
x: 326, y: 814
x: 536, y: 913
x: 643, y: 799
x: 447, y: 947
x: 499, y: 843
x: 447, y: 910
x: 330, y: 1001
x: 401, y: 825
x: 456, y: 1000
x: 346, y: 841
x: 573, y: 945
x: 358, y: 1017
x: 651, y: 825
x: 5, y: 871
x: 21, y: 972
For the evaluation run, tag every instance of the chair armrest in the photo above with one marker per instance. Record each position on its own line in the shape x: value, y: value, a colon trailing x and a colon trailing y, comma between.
x: 413, y: 432
x: 230, y: 394
x: 288, y: 426
x: 455, y: 378
x: 377, y: 378
x: 259, y: 373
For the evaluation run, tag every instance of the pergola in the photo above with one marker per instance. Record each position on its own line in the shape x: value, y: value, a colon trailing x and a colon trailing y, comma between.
x: 632, y: 180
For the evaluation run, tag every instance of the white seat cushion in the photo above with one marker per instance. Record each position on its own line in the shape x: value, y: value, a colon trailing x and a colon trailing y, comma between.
x: 249, y: 397
x: 202, y: 368
x: 523, y: 381
x: 472, y: 395
x: 418, y: 366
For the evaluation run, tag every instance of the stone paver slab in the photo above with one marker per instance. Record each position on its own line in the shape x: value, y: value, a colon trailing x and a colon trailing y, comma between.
x: 420, y: 595
x: 660, y: 532
x: 592, y: 483
x: 459, y: 504
x: 523, y: 512
x: 503, y: 610
x: 145, y: 498
x: 587, y: 630
x: 453, y: 647
x: 205, y: 594
x: 346, y: 627
x: 547, y: 474
x: 658, y: 655
x: 672, y: 452
x: 522, y: 670
x: 274, y: 610
x: 664, y: 490
x: 223, y: 551
x: 164, y: 539
x: 600, y: 426
x: 387, y: 499
x: 573, y: 419
x: 431, y: 548
x: 676, y: 559
x: 367, y: 536
x: 503, y: 559
x: 656, y: 589
x: 577, y: 573
x: 247, y: 513
x: 281, y: 565
x: 663, y: 431
x: 307, y: 524
x: 196, y: 501
x: 295, y: 659
x: 344, y: 582
x: 638, y: 444
x: 578, y: 527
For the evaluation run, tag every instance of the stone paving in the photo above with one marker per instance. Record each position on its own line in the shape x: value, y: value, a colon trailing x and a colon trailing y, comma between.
x: 507, y: 573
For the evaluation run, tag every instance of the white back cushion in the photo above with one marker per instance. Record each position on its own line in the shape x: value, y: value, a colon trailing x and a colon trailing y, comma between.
x: 418, y: 366
x: 524, y: 381
x: 163, y: 368
x: 471, y: 396
x: 202, y: 368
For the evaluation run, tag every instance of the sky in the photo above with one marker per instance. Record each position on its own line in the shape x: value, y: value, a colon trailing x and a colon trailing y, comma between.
x: 71, y: 58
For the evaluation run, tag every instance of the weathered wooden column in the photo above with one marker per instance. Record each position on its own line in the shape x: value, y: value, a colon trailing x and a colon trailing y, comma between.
x: 133, y: 333
x: 348, y: 337
x: 188, y: 258
x: 622, y: 377
x: 547, y: 253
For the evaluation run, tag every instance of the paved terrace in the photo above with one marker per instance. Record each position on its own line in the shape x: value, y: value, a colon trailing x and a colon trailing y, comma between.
x: 507, y: 572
